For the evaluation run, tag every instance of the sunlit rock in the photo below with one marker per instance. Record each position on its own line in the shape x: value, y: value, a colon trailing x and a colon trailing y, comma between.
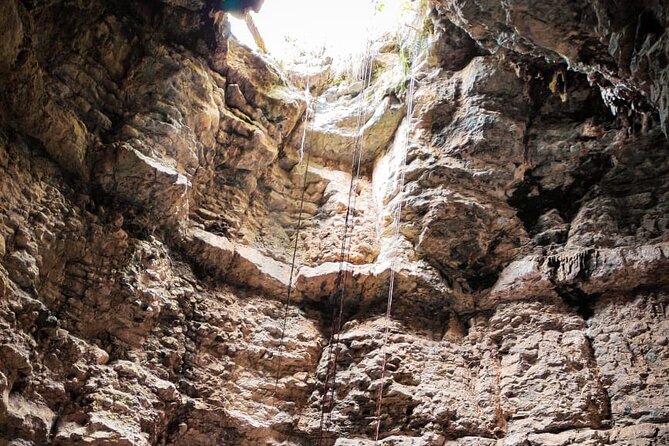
x: 188, y: 256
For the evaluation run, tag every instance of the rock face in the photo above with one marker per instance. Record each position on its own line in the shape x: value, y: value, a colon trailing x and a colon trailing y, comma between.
x: 622, y: 46
x: 151, y: 181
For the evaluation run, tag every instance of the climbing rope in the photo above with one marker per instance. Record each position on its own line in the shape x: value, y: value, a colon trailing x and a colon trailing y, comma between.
x: 347, y: 276
x: 297, y: 238
x: 393, y: 263
x: 343, y: 275
x: 329, y: 386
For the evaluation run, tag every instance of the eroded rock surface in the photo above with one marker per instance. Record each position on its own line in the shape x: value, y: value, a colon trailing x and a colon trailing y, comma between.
x: 151, y: 175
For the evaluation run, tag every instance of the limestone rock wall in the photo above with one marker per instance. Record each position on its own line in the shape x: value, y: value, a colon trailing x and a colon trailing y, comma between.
x: 150, y: 180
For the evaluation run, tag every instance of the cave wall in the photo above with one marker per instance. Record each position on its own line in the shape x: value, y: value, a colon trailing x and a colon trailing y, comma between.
x: 150, y: 187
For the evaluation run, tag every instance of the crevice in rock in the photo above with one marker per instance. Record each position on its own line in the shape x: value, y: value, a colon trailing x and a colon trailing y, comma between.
x: 532, y: 200
x: 648, y: 30
x: 606, y: 419
x: 577, y: 299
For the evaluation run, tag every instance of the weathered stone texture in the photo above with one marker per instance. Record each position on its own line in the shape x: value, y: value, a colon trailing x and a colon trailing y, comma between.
x: 151, y: 178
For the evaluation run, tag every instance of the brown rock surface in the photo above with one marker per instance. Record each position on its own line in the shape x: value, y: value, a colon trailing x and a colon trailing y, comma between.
x: 150, y: 181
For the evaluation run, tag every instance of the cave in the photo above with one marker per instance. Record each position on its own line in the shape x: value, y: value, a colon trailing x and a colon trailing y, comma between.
x: 384, y: 222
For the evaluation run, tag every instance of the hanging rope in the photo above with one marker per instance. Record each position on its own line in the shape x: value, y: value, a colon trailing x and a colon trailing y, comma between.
x: 297, y: 238
x: 347, y: 276
x: 346, y: 248
x: 329, y: 387
x: 393, y: 263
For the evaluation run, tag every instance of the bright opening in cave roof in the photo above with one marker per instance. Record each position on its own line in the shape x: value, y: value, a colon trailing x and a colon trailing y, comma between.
x: 302, y: 30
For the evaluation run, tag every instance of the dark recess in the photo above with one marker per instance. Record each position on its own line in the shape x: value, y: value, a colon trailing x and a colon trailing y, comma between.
x: 567, y: 200
x: 580, y: 301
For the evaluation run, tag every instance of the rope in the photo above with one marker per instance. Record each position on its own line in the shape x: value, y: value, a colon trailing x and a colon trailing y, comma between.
x: 297, y: 238
x: 393, y: 264
x: 348, y: 242
x: 292, y: 269
x: 344, y: 255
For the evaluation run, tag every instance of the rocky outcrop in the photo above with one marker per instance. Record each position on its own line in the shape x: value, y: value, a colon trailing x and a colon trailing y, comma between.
x: 621, y: 46
x: 152, y: 174
x: 345, y: 116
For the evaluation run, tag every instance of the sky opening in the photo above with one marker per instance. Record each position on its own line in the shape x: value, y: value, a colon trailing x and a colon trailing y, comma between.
x: 314, y: 30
